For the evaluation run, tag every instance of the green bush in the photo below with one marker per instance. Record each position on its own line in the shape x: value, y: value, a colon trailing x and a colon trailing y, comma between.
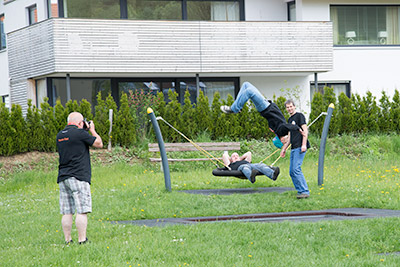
x: 6, y: 132
x: 18, y: 124
x: 125, y: 133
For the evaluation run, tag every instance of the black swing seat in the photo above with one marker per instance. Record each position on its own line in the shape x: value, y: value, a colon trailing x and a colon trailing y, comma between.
x: 233, y: 173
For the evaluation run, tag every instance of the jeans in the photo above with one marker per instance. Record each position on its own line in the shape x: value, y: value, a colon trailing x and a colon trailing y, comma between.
x: 299, y: 182
x: 261, y: 167
x: 248, y: 91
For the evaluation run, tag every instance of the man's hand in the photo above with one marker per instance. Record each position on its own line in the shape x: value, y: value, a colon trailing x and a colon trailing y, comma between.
x: 303, y: 148
x: 283, y: 153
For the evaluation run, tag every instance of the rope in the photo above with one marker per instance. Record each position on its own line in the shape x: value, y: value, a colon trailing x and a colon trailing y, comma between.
x: 270, y: 155
x: 202, y: 150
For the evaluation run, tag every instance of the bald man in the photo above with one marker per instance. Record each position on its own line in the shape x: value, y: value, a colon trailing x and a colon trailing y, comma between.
x: 74, y: 173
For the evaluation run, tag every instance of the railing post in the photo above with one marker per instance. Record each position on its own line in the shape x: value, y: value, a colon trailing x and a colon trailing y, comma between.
x: 323, y: 144
x: 160, y: 140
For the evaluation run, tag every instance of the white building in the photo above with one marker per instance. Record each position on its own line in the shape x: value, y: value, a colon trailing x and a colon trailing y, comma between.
x: 72, y: 49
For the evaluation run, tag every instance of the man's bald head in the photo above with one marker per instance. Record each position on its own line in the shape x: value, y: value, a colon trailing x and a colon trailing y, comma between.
x: 75, y: 118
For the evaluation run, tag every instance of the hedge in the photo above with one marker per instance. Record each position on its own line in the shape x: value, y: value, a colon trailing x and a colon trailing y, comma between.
x: 36, y: 131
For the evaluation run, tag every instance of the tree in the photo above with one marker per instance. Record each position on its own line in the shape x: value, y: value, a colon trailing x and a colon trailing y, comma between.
x: 172, y: 115
x: 6, y: 132
x: 101, y: 119
x: 384, y: 117
x: 35, y: 131
x: 49, y: 126
x: 17, y: 122
x: 124, y: 124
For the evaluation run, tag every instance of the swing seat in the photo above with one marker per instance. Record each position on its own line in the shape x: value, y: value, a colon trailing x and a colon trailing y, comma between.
x: 232, y: 173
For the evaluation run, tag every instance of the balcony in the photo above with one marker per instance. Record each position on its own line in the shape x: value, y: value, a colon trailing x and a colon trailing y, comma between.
x: 126, y: 47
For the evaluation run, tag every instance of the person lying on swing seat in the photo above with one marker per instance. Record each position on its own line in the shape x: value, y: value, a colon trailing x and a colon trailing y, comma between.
x: 267, y: 109
x: 250, y: 170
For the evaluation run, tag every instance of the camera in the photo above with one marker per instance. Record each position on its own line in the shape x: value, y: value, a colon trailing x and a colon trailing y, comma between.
x: 86, y: 124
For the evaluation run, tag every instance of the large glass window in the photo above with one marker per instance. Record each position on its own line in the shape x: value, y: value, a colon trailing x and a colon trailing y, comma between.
x: 213, y: 10
x: 338, y: 87
x: 154, y: 10
x: 2, y: 33
x: 366, y: 25
x: 291, y: 10
x: 92, y: 9
x: 32, y: 14
x: 209, y: 86
x: 80, y: 89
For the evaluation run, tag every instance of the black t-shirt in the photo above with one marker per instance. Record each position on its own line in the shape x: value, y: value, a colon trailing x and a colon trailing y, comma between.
x: 73, y: 148
x: 296, y: 139
x: 235, y: 165
x: 276, y: 120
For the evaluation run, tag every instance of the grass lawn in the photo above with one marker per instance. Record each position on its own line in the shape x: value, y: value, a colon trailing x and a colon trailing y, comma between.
x: 358, y: 173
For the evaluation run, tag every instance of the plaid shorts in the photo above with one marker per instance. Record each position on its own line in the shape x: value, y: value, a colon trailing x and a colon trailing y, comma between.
x: 75, y: 194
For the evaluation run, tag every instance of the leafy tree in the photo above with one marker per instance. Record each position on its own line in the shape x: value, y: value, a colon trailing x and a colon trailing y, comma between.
x: 202, y: 117
x: 395, y: 111
x: 49, y: 126
x: 34, y: 126
x: 101, y: 119
x: 125, y: 124
x: 17, y: 122
x: 61, y: 115
x: 188, y: 112
x: 6, y: 132
x: 172, y: 115
x: 85, y: 108
x: 345, y: 117
x: 317, y: 106
x: 385, y: 120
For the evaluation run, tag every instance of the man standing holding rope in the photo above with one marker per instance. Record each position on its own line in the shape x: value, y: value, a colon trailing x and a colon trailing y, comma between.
x: 250, y: 170
x: 300, y: 144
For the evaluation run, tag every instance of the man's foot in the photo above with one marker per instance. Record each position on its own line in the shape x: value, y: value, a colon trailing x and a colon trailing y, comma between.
x: 303, y: 195
x: 253, y: 176
x: 226, y: 109
x: 84, y: 242
x: 276, y: 172
x: 67, y: 243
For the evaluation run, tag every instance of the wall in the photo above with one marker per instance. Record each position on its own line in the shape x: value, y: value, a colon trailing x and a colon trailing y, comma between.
x: 368, y: 68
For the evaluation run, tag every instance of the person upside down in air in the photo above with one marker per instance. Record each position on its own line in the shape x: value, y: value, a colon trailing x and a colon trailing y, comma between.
x: 267, y: 109
x: 250, y: 170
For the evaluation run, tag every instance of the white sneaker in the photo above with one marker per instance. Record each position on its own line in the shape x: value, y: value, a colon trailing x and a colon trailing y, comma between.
x: 226, y: 109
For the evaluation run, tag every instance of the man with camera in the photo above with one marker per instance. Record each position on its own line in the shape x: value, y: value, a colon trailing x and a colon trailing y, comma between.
x: 74, y: 173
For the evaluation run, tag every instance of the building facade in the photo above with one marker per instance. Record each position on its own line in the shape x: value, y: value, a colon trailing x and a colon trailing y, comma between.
x: 70, y: 49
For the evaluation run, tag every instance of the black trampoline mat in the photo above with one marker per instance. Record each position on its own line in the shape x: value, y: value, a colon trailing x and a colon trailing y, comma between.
x: 230, y: 191
x: 297, y: 216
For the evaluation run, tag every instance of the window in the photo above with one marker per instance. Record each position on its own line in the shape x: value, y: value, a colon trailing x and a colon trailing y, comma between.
x: 366, y: 25
x: 52, y: 8
x: 91, y: 9
x: 2, y: 33
x: 32, y: 15
x: 291, y: 10
x: 209, y: 86
x: 211, y: 10
x: 338, y: 87
x: 6, y: 100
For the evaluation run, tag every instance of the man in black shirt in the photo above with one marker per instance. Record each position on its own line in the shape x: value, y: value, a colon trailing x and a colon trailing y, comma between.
x: 250, y: 170
x: 267, y: 109
x: 74, y: 173
x: 300, y: 144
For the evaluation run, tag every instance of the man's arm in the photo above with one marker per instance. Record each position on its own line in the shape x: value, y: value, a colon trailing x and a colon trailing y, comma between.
x: 98, y: 143
x: 304, y: 133
x: 246, y: 156
x: 225, y: 158
x: 285, y: 146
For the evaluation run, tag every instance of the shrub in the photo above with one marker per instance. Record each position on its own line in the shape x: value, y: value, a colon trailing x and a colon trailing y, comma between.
x: 125, y: 124
x: 18, y: 125
x: 34, y: 127
x: 49, y: 127
x: 6, y: 132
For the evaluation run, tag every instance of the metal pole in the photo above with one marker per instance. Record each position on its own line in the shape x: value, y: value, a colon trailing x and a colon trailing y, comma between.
x: 160, y: 140
x: 323, y: 144
x: 197, y: 87
x: 316, y: 81
x: 68, y: 80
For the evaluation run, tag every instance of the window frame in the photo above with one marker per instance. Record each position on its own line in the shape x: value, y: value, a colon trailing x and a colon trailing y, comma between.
x: 32, y: 20
x: 124, y: 8
x: 346, y: 83
x: 3, y: 33
x: 364, y: 5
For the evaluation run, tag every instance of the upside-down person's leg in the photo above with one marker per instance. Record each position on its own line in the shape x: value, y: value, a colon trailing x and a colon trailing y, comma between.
x: 246, y: 92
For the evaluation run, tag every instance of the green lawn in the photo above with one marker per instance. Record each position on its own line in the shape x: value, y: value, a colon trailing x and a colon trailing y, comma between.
x: 363, y: 174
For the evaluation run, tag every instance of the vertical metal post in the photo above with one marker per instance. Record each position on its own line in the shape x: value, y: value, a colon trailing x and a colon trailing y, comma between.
x: 197, y: 87
x: 160, y: 140
x: 316, y: 81
x: 323, y: 144
x: 68, y: 81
